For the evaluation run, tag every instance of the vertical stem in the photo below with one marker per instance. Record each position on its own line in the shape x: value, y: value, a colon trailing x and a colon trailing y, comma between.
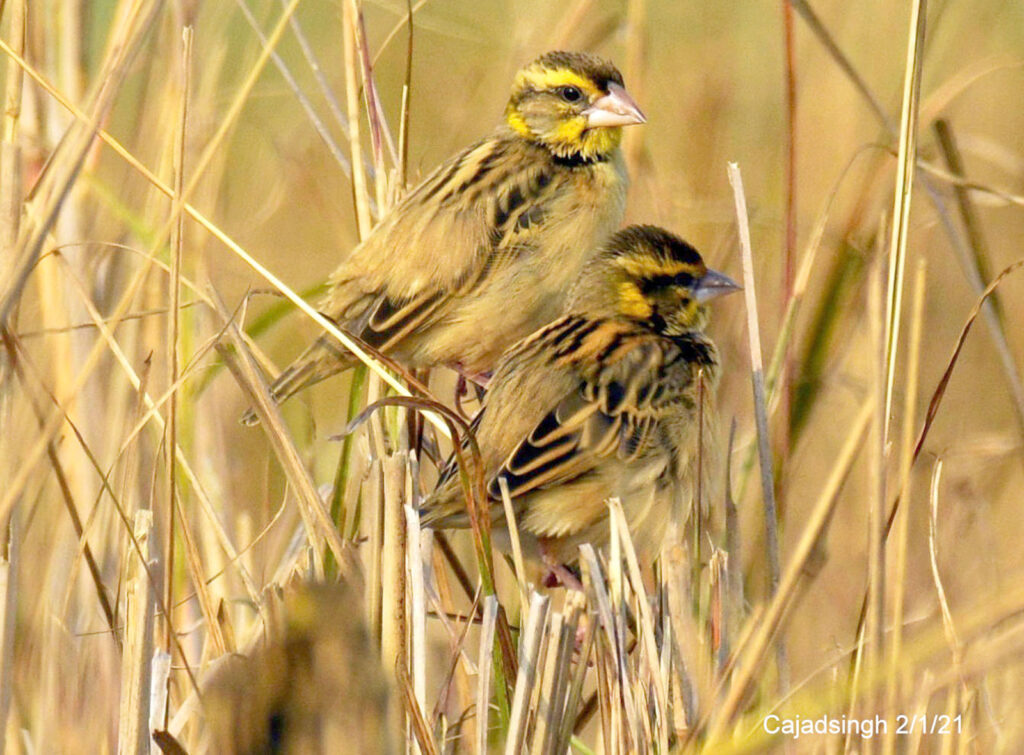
x: 173, y: 322
x: 9, y: 563
x: 356, y: 400
x: 874, y: 635
x: 133, y: 728
x: 10, y: 158
x: 485, y: 666
x: 417, y: 607
x: 760, y: 405
x: 359, y: 188
x: 789, y: 242
x: 530, y: 639
x: 757, y: 370
x: 403, y: 130
x: 902, y: 523
x: 902, y: 195
x: 394, y: 652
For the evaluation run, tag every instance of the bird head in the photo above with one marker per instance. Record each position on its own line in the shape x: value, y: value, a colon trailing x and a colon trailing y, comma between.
x: 653, y: 277
x: 572, y: 103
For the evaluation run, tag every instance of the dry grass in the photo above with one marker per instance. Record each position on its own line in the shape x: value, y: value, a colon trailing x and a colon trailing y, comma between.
x: 163, y: 198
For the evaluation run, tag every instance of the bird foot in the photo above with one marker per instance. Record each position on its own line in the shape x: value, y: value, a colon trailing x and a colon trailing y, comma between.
x: 558, y: 574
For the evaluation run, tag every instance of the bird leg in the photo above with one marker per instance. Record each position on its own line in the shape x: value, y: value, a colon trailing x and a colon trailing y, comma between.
x: 558, y: 573
x: 479, y: 381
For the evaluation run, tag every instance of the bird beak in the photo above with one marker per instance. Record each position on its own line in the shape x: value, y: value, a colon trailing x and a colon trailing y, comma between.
x: 616, y: 108
x: 714, y: 284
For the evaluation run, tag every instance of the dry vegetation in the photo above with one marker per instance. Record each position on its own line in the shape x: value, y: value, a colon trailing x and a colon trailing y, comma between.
x: 153, y: 543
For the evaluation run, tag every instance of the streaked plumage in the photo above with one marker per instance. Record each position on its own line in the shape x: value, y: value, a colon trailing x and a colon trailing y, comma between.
x: 316, y: 686
x: 482, y: 252
x: 601, y: 402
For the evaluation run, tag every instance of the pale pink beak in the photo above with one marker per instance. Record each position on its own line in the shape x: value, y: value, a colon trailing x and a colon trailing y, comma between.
x: 616, y: 108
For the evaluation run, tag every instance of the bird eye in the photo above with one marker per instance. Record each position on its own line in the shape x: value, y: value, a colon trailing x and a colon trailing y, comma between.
x: 570, y: 94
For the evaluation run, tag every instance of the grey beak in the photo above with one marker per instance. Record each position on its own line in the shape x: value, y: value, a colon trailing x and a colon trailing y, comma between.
x: 616, y: 108
x: 714, y: 284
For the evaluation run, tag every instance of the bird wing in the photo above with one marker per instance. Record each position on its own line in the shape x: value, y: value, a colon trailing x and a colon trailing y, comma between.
x: 625, y: 383
x: 470, y: 216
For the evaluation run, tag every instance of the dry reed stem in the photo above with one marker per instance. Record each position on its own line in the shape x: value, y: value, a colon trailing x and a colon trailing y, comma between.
x: 375, y: 505
x: 394, y: 612
x: 877, y: 478
x: 757, y: 378
x: 940, y: 389
x: 546, y: 703
x: 133, y: 720
x: 10, y: 566
x: 677, y: 608
x: 976, y: 267
x: 485, y: 665
x: 379, y: 131
x: 902, y: 194
x: 749, y: 653
x: 900, y: 546
x: 646, y: 628
x: 403, y: 128
x: 359, y: 185
x: 787, y: 329
x: 955, y: 645
x: 998, y: 332
x: 293, y: 85
x: 319, y: 527
x: 424, y: 742
x: 18, y: 358
x: 529, y: 652
x: 560, y: 726
x: 58, y: 416
x: 330, y: 328
x: 173, y: 319
x: 517, y: 548
x: 118, y: 506
x: 418, y: 544
x: 457, y: 672
x: 70, y: 154
x: 575, y: 695
x: 325, y: 88
x: 733, y: 548
x: 10, y: 150
x: 771, y: 522
x: 952, y: 179
x: 194, y: 560
x: 789, y: 237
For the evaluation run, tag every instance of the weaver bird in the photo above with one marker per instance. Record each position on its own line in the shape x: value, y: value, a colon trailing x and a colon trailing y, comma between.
x: 481, y: 253
x: 315, y: 687
x: 601, y: 402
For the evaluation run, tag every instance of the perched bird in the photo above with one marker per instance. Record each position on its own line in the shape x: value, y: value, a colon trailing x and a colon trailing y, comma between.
x: 316, y: 686
x: 481, y: 253
x: 601, y: 402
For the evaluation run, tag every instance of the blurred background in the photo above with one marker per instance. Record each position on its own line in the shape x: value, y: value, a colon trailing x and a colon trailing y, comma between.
x: 719, y: 83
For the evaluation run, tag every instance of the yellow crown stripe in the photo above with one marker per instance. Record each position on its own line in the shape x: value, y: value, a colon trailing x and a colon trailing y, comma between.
x: 647, y: 267
x: 551, y: 78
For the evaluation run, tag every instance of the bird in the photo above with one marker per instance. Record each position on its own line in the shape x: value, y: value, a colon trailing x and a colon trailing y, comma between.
x: 482, y: 251
x: 601, y: 402
x: 315, y: 685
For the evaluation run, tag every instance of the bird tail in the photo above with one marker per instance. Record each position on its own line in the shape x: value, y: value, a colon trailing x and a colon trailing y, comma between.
x: 319, y: 361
